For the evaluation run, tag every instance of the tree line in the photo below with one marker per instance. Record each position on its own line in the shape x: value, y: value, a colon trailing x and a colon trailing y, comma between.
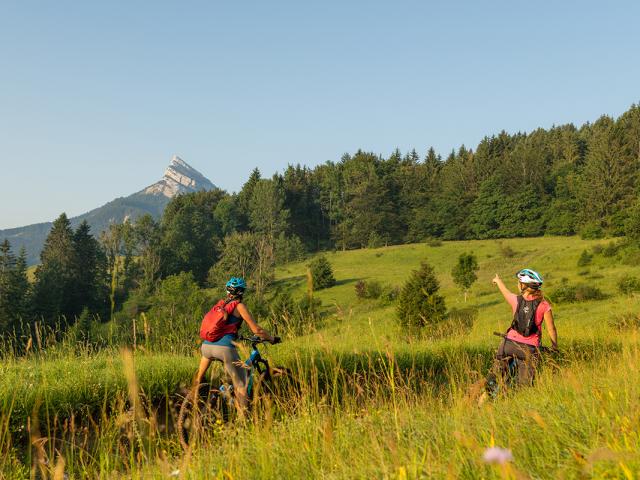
x: 564, y: 180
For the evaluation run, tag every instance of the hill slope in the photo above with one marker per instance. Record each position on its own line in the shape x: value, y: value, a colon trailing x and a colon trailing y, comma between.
x: 179, y: 177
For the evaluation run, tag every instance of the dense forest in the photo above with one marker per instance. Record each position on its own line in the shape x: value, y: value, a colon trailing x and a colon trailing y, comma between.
x: 561, y: 181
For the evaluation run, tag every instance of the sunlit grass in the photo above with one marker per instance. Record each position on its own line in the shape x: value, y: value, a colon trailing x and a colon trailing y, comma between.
x: 372, y: 401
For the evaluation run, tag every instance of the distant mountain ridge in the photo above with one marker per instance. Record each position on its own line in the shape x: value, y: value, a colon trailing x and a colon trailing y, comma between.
x: 179, y: 177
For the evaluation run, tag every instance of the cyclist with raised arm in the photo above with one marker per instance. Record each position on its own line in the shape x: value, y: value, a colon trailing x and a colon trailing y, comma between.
x: 219, y: 341
x: 524, y: 337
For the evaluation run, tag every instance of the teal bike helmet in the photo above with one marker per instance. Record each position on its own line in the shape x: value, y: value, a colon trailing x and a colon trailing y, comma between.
x: 530, y: 278
x: 236, y: 286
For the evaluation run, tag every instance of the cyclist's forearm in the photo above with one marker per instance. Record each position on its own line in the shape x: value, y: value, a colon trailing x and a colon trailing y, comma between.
x: 551, y: 328
x: 503, y: 289
x: 262, y: 333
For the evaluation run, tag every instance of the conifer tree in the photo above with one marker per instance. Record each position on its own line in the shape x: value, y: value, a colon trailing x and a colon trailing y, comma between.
x: 89, y: 275
x: 7, y: 268
x: 52, y: 296
x: 20, y: 288
x: 244, y: 199
x: 419, y: 303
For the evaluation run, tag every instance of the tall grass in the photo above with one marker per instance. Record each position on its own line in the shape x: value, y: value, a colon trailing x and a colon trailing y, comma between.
x: 370, y: 400
x: 379, y: 416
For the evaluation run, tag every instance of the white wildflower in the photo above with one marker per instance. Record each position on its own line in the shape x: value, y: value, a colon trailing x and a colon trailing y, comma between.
x: 497, y: 455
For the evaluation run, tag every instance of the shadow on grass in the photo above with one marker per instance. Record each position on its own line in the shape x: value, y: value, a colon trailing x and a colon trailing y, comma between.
x: 490, y: 303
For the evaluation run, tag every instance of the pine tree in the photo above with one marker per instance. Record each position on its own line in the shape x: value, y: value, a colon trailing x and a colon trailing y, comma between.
x: 7, y: 268
x: 419, y: 303
x: 244, y: 199
x: 20, y: 288
x: 321, y: 273
x: 89, y: 279
x: 54, y: 276
x: 609, y: 177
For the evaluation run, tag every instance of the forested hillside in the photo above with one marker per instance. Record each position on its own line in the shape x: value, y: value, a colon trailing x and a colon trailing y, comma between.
x: 561, y: 181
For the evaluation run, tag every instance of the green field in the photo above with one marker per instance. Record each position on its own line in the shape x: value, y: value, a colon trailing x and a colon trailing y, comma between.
x: 374, y: 400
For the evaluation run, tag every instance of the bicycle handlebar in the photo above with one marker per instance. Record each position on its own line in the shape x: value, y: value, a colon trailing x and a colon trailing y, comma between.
x: 254, y: 339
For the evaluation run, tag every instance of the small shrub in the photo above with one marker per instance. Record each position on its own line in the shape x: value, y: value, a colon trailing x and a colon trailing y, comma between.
x: 309, y: 305
x: 588, y: 292
x: 627, y: 321
x: 374, y: 289
x: 629, y: 284
x: 434, y: 242
x: 389, y: 295
x: 321, y: 273
x: 419, y: 303
x: 585, y: 259
x: 506, y: 251
x: 611, y: 249
x: 565, y: 293
x: 582, y: 273
x: 371, y: 289
x: 591, y: 231
x: 597, y: 249
x: 458, y: 322
x: 580, y: 292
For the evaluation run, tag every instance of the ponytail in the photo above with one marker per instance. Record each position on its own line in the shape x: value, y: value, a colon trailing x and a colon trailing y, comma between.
x: 532, y: 292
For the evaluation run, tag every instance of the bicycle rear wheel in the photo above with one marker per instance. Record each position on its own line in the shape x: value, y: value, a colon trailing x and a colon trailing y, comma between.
x: 199, y: 413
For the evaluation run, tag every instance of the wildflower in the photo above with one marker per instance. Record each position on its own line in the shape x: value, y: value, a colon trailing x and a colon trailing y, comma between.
x: 497, y: 455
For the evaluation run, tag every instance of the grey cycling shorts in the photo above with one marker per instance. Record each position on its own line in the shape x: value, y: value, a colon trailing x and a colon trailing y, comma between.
x: 231, y: 360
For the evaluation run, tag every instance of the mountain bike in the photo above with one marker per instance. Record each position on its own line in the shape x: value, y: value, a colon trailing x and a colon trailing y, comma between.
x: 504, y: 374
x: 207, y: 407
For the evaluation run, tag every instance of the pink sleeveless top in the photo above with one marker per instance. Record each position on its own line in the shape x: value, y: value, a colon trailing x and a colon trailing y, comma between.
x: 536, y: 338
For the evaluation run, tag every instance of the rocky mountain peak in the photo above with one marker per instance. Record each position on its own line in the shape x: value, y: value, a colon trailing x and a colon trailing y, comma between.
x: 179, y: 177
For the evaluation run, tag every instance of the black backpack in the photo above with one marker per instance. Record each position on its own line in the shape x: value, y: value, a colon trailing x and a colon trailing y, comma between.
x: 524, y: 320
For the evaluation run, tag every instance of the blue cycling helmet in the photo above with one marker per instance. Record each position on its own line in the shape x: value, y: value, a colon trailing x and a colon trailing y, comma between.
x: 530, y: 278
x: 236, y: 286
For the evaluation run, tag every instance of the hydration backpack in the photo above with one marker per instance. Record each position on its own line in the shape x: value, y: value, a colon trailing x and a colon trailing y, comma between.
x: 524, y: 320
x: 214, y: 324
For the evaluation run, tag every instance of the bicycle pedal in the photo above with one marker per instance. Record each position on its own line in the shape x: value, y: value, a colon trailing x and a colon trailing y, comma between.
x: 492, y: 386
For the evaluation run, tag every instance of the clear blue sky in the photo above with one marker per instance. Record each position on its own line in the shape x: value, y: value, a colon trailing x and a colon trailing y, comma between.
x: 95, y: 97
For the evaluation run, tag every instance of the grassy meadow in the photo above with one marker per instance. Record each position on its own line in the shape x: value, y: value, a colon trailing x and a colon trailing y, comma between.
x: 372, y: 399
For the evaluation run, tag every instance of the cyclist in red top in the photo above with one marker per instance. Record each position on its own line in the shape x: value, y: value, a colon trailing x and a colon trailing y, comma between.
x: 530, y: 310
x: 224, y: 349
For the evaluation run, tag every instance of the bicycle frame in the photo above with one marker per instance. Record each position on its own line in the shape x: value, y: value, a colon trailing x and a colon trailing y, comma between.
x: 255, y: 363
